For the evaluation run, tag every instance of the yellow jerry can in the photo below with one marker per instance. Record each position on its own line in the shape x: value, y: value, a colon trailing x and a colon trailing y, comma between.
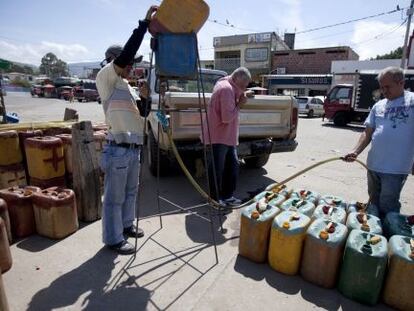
x: 10, y: 148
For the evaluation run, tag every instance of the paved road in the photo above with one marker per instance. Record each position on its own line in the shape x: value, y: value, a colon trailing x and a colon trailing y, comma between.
x: 175, y: 266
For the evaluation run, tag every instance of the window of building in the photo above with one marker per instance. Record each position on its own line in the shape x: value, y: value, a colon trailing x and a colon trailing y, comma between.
x: 256, y: 54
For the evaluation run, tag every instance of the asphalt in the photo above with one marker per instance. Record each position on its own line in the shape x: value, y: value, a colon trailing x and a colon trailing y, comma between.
x: 175, y: 266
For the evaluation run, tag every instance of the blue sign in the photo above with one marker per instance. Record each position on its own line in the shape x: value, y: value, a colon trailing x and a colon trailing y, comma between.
x: 304, y: 80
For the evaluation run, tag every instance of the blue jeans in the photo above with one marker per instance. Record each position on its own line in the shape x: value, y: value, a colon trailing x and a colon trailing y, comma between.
x: 121, y: 167
x: 226, y: 164
x: 384, y: 191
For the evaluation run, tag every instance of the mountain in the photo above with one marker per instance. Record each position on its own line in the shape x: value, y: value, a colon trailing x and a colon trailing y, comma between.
x: 82, y: 70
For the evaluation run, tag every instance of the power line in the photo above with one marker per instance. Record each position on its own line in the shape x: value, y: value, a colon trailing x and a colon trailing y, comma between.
x: 350, y: 21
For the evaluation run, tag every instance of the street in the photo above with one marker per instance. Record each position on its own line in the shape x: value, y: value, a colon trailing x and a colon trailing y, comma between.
x: 175, y: 267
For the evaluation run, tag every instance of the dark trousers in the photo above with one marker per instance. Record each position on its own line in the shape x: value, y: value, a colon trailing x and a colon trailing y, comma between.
x: 226, y: 164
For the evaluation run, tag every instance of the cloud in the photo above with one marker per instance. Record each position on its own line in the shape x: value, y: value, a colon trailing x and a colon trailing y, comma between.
x: 372, y: 38
x: 33, y: 53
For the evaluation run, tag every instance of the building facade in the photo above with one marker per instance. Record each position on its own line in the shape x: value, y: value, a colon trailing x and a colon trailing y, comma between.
x: 310, y: 61
x: 253, y: 51
x: 297, y: 85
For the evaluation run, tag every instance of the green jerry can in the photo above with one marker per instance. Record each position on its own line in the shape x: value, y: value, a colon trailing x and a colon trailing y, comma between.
x: 330, y: 212
x: 322, y: 254
x: 255, y: 224
x: 398, y: 224
x: 298, y: 205
x: 333, y: 200
x: 367, y: 208
x: 364, y: 222
x: 286, y: 241
x: 363, y: 267
x: 306, y: 195
x: 272, y: 198
x: 399, y: 286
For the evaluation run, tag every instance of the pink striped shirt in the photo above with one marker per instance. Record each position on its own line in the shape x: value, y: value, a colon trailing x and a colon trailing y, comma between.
x: 223, y: 114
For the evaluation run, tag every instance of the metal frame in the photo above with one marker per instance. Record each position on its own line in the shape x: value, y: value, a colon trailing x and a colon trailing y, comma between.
x: 179, y: 208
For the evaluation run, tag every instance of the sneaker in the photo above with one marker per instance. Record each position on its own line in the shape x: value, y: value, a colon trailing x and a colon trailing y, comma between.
x: 123, y: 248
x: 232, y: 201
x: 221, y: 203
x: 133, y: 232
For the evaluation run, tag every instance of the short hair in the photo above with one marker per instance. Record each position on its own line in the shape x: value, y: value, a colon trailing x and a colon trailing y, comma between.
x: 242, y: 73
x: 396, y: 74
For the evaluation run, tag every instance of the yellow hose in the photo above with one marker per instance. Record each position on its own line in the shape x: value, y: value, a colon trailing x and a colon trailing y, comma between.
x: 271, y: 187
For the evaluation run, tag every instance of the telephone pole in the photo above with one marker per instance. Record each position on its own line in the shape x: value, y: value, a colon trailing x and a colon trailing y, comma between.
x: 404, y: 50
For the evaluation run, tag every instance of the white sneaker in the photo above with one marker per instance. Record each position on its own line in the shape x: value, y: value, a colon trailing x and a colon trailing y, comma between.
x: 232, y: 201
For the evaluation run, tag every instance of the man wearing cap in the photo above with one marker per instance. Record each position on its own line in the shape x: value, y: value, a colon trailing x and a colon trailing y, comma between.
x: 124, y: 112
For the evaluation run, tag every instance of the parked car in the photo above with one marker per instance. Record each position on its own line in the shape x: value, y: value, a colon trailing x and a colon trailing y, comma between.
x: 37, y: 90
x: 86, y: 95
x: 311, y: 106
x: 64, y: 92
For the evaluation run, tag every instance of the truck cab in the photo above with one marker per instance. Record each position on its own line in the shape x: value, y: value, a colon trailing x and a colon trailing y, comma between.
x: 338, y: 104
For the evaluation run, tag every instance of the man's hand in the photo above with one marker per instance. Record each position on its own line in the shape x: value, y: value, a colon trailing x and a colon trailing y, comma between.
x: 350, y: 157
x: 242, y: 100
x: 151, y: 11
x: 144, y: 90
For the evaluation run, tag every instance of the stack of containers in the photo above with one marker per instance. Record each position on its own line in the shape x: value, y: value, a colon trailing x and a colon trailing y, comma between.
x: 363, y: 267
x: 5, y: 263
x: 333, y: 200
x: 22, y: 138
x: 399, y: 285
x: 322, y: 254
x: 367, y: 208
x: 286, y: 241
x: 256, y: 220
x: 20, y: 207
x: 3, y: 300
x: 298, y: 205
x: 306, y: 195
x: 4, y: 214
x: 55, y: 212
x: 330, y: 212
x: 46, y: 161
x: 67, y: 151
x: 364, y: 222
x: 5, y: 254
x: 12, y: 171
x: 398, y: 224
x: 273, y: 198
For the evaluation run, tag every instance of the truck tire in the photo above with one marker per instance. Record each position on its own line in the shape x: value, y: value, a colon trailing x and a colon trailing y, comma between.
x: 257, y: 161
x: 152, y: 149
x: 340, y: 119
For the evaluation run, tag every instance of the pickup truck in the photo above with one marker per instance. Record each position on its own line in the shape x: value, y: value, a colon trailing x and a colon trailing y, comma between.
x: 268, y: 124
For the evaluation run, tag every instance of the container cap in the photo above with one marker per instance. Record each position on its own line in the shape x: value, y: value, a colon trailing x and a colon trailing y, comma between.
x: 373, y: 245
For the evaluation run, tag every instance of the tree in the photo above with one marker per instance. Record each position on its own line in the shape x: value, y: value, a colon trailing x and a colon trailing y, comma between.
x: 396, y: 54
x: 52, y: 66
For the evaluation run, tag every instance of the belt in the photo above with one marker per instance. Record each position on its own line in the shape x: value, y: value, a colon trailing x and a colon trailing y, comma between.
x: 123, y: 145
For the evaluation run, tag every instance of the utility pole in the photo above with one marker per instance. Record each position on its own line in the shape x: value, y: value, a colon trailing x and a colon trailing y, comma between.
x: 404, y: 51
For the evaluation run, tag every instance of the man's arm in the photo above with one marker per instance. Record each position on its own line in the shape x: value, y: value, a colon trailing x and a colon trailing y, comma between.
x: 363, y: 142
x: 134, y: 42
x: 228, y: 105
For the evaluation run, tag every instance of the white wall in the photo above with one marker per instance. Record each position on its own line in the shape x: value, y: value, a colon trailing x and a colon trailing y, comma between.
x: 348, y: 66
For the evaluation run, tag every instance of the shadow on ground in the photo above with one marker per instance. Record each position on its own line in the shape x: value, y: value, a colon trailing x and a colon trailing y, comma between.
x: 91, y: 281
x: 329, y: 299
x: 350, y: 127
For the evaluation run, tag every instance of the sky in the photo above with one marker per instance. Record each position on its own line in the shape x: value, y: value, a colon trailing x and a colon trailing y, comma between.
x: 81, y: 30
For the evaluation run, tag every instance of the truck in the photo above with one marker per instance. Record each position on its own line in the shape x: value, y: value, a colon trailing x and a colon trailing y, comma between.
x: 352, y: 96
x: 268, y: 124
